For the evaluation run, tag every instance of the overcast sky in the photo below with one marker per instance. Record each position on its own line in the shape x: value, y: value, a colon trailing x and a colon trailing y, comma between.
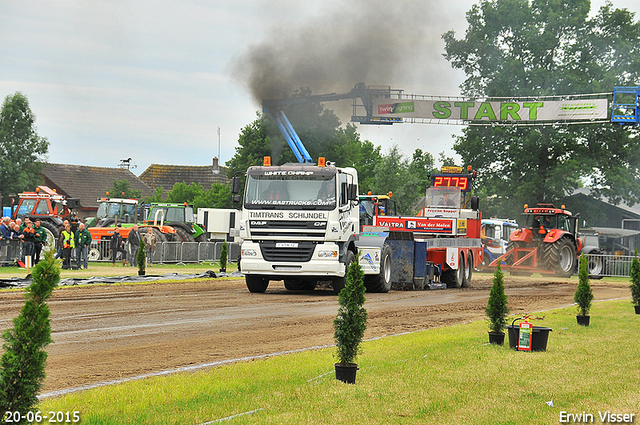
x: 155, y: 80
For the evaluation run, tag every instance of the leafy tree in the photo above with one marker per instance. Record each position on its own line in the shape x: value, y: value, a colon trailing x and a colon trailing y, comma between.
x: 219, y: 196
x: 524, y: 48
x: 122, y: 189
x: 22, y: 367
x: 21, y: 148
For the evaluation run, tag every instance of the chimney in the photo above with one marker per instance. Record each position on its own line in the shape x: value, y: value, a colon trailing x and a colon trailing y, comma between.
x: 215, y: 168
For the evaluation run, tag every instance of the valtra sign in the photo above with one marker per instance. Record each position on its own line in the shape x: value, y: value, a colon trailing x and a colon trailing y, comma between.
x: 494, y: 111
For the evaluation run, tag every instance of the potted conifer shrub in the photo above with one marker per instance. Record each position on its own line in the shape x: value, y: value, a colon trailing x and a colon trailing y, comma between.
x: 497, y: 309
x: 635, y: 282
x: 350, y: 324
x: 141, y: 258
x: 583, y: 295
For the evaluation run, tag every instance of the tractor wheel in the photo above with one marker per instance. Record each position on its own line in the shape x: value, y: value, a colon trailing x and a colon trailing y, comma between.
x: 560, y: 256
x: 454, y: 278
x: 382, y: 281
x: 339, y: 283
x: 300, y: 285
x: 256, y: 283
x: 94, y: 254
x: 53, y: 233
x: 183, y: 235
x: 202, y: 238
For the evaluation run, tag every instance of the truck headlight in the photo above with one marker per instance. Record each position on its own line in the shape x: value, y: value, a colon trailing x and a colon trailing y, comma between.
x: 249, y: 253
x: 327, y: 254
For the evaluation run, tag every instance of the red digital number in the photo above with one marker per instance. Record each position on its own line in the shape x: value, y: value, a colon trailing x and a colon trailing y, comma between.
x: 444, y: 181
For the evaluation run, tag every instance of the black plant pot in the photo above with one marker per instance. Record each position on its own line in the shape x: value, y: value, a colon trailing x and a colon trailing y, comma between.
x: 141, y: 272
x: 583, y: 320
x: 346, y: 372
x: 637, y: 307
x: 496, y: 338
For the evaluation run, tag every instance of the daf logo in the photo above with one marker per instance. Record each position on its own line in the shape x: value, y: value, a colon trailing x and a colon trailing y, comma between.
x: 258, y: 223
x: 318, y: 224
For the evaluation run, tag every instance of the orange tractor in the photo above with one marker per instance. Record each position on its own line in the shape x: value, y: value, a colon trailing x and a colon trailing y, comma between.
x: 548, y: 243
x: 46, y: 205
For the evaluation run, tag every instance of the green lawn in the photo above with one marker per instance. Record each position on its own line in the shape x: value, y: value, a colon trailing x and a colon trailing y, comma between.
x: 441, y: 376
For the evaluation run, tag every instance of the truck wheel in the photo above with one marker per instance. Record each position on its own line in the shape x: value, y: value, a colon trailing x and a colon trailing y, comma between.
x: 300, y: 285
x: 339, y: 283
x: 486, y: 260
x: 560, y: 256
x: 382, y: 281
x: 454, y: 278
x: 468, y: 271
x: 595, y: 265
x: 256, y: 283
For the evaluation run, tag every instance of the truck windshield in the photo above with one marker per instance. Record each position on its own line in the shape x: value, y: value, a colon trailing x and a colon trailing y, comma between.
x: 312, y: 191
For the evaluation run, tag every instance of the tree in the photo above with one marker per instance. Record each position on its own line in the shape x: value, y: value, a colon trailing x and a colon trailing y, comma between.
x: 22, y: 367
x: 219, y: 196
x: 122, y: 189
x: 21, y: 149
x: 524, y: 48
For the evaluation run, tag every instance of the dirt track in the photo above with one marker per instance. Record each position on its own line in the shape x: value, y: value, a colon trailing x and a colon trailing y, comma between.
x: 103, y: 333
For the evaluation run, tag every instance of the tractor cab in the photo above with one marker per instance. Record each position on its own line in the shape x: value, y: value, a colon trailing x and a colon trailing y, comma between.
x: 543, y: 218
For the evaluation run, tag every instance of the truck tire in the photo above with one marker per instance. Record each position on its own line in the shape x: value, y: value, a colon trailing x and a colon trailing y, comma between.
x: 382, y: 281
x: 339, y: 283
x: 300, y: 285
x: 560, y: 257
x: 466, y: 282
x: 256, y: 283
x: 454, y: 278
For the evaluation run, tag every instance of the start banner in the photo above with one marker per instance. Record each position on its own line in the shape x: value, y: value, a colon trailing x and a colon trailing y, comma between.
x: 493, y: 111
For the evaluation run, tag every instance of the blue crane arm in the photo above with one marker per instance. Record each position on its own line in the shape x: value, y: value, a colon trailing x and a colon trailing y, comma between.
x: 289, y: 133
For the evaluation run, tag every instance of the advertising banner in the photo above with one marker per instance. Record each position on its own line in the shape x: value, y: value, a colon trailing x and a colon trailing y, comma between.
x: 493, y: 111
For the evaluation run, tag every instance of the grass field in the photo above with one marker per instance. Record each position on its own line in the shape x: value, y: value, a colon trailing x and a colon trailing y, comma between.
x: 441, y: 376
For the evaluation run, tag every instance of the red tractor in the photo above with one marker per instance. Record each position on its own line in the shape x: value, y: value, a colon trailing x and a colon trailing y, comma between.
x: 548, y: 243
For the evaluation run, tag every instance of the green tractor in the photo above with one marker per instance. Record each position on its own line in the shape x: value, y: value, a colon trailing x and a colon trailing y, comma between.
x: 178, y: 216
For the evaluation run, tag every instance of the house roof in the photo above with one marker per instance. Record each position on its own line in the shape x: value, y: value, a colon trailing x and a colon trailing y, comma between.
x: 167, y: 175
x: 89, y: 183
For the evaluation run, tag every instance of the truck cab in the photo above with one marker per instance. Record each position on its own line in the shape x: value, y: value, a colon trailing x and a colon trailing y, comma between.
x: 299, y: 223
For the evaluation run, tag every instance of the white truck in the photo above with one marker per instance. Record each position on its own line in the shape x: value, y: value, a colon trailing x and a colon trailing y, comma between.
x: 299, y: 223
x: 495, y: 237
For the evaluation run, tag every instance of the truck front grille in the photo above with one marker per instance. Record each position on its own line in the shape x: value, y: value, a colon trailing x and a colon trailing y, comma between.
x: 287, y: 251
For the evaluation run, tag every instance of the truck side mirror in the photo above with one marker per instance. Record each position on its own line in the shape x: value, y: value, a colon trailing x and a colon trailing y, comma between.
x: 236, y: 199
x: 353, y: 192
x: 235, y: 185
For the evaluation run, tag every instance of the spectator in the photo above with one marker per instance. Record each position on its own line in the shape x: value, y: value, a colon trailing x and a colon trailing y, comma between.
x: 134, y: 244
x: 6, y: 233
x: 150, y: 242
x: 28, y: 240
x: 40, y: 241
x: 64, y: 226
x: 83, y: 240
x: 67, y: 242
x: 117, y: 247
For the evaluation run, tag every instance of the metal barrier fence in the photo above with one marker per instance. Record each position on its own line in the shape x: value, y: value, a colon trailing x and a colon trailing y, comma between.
x: 174, y: 252
x: 609, y: 265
